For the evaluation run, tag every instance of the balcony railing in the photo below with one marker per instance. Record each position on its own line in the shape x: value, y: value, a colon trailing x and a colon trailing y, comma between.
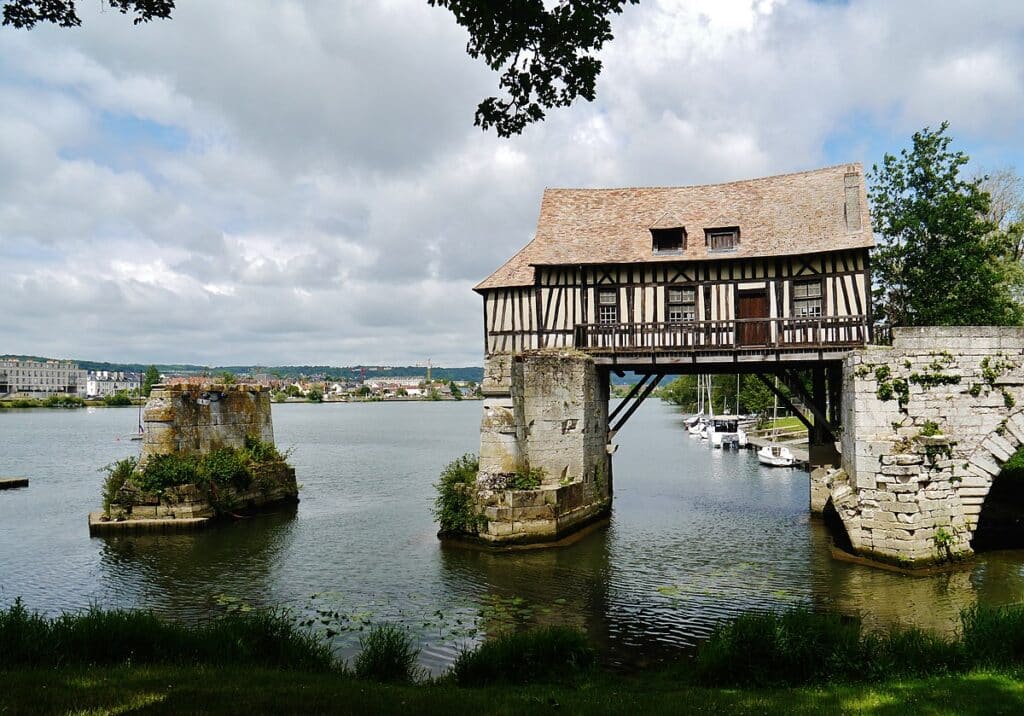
x: 825, y: 332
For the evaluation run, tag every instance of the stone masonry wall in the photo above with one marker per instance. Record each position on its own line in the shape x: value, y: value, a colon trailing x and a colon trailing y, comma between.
x: 927, y: 425
x: 199, y: 418
x: 553, y: 418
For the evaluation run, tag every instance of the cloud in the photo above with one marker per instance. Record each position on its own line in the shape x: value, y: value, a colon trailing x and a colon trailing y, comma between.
x: 301, y: 181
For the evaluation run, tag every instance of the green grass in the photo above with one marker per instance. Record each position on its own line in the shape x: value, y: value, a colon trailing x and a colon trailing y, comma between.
x: 232, y: 690
x: 543, y: 655
x: 387, y: 654
x: 93, y: 637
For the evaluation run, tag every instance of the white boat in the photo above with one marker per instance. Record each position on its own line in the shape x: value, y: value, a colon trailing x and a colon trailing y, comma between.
x: 726, y: 429
x: 776, y: 456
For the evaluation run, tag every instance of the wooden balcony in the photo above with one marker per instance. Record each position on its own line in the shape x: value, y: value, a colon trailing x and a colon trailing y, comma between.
x: 726, y: 341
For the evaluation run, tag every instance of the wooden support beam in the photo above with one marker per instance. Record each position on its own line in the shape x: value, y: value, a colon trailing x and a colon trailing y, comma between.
x: 629, y: 396
x: 636, y: 404
x: 814, y: 403
x: 786, y: 402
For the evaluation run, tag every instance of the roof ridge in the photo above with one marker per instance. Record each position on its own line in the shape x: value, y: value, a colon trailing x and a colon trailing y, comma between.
x: 819, y: 170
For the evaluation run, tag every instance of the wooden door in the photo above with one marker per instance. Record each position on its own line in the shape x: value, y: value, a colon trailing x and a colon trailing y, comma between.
x: 752, y: 304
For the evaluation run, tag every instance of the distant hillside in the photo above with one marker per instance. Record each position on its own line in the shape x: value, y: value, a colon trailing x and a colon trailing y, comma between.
x: 473, y: 373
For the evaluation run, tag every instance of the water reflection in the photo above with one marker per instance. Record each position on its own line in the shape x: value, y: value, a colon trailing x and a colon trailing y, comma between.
x: 183, y: 574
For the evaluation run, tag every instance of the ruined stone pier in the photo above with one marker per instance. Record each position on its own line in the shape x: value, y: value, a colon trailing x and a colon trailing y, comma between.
x: 927, y: 426
x: 545, y: 415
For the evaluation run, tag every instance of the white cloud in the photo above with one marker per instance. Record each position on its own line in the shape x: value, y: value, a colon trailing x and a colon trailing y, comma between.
x: 301, y: 181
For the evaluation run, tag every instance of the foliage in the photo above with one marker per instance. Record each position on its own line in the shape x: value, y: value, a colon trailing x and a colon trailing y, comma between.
x: 993, y: 636
x: 315, y: 395
x: 544, y: 51
x: 940, y: 260
x: 118, y: 473
x: 801, y: 647
x: 388, y: 655
x: 930, y: 428
x: 553, y: 653
x: 1014, y: 467
x: 293, y: 391
x: 151, y: 378
x: 120, y: 398
x: 28, y: 13
x: 60, y: 400
x: 456, y: 393
x: 227, y: 377
x: 211, y: 473
x: 527, y: 478
x: 754, y: 396
x: 454, y: 507
x: 95, y: 636
x: 280, y: 396
x: 364, y: 390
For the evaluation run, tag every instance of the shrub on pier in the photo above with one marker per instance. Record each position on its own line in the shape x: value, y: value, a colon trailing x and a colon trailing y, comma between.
x: 455, y: 508
x: 218, y: 477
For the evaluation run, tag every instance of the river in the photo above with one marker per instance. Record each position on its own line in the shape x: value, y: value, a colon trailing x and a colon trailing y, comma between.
x: 695, y: 535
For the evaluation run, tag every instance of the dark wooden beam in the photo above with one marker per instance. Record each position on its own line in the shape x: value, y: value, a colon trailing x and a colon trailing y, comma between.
x: 786, y: 402
x: 630, y: 395
x: 635, y: 404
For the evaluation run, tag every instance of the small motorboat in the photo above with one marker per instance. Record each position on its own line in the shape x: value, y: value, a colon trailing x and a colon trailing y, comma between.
x: 776, y: 456
x: 726, y: 427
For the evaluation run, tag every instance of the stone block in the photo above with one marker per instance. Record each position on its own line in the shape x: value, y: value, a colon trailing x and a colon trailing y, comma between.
x: 144, y: 511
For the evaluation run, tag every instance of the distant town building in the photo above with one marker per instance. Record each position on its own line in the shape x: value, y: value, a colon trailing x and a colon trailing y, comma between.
x: 35, y: 379
x: 101, y: 383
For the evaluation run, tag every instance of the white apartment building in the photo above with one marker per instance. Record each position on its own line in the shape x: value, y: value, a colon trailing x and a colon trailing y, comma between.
x: 102, y: 383
x: 38, y: 379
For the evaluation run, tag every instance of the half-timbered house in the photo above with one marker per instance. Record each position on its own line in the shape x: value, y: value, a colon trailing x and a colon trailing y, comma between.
x: 770, y: 269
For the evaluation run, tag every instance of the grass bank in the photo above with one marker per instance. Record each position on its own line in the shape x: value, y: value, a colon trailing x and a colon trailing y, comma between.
x: 795, y: 662
x: 232, y: 690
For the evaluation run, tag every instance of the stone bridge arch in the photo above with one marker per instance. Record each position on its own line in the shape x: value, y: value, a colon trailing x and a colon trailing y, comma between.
x: 928, y: 424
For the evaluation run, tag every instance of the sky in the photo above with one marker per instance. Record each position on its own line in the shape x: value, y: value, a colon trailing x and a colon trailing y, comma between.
x: 300, y: 182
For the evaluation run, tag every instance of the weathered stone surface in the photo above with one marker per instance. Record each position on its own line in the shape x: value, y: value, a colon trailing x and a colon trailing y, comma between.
x: 927, y: 483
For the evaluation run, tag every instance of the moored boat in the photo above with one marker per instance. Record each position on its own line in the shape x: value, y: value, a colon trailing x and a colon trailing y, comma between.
x: 776, y: 456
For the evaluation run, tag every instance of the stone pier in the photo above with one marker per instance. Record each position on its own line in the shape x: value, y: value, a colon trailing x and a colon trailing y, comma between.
x: 545, y: 418
x: 197, y: 418
x: 192, y: 419
x: 927, y: 426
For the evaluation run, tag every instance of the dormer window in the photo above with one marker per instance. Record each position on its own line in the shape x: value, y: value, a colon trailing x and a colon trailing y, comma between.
x: 723, y: 239
x: 668, y: 241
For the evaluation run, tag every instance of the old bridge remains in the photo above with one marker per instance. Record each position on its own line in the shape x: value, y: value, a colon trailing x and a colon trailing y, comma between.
x: 769, y: 277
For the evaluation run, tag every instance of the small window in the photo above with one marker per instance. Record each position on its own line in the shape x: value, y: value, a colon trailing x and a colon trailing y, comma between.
x: 668, y: 241
x: 725, y: 239
x: 682, y: 304
x: 607, y: 306
x: 807, y: 298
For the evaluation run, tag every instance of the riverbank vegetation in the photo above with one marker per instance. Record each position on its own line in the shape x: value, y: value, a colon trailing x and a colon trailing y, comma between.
x: 60, y: 400
x: 795, y: 662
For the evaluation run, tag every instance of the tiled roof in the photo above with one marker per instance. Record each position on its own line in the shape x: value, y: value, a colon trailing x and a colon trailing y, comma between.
x: 800, y: 213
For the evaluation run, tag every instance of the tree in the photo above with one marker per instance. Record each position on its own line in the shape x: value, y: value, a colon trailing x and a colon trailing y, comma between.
x: 28, y: 13
x: 545, y: 55
x: 151, y: 378
x: 456, y: 393
x: 227, y: 377
x: 940, y: 261
x: 1006, y: 208
x: 315, y: 395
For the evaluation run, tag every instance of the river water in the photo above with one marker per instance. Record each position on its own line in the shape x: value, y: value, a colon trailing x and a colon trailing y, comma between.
x: 695, y: 535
